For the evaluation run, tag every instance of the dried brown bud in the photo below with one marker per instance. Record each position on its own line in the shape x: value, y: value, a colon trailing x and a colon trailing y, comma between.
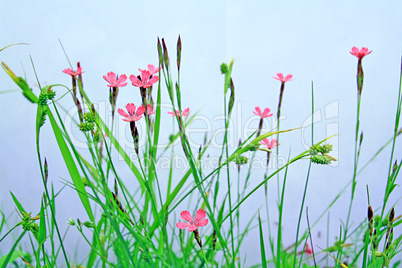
x: 79, y: 108
x: 370, y: 215
x: 391, y: 216
x: 197, y: 237
x: 93, y: 109
x: 214, y: 240
x: 375, y: 242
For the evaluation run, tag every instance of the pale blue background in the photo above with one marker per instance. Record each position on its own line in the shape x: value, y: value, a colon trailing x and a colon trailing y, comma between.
x: 310, y: 39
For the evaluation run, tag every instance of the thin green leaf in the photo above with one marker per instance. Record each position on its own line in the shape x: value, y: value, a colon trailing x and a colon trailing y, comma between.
x: 262, y: 246
x: 71, y: 166
x: 17, y: 203
x: 16, y: 44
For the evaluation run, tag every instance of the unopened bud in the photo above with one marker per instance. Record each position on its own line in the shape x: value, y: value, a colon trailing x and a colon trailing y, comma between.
x: 71, y: 222
x: 89, y: 224
x: 178, y: 53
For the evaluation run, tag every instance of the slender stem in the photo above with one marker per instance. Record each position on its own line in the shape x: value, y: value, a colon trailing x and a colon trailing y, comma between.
x: 225, y: 144
x: 279, y: 242
x: 308, y: 175
x: 397, y: 118
x: 356, y: 159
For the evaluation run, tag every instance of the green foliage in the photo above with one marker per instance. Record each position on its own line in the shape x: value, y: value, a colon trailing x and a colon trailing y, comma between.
x: 241, y: 160
x: 319, y: 154
x: 127, y: 227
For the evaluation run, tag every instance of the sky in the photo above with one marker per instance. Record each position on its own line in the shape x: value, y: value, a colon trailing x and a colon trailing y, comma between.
x: 309, y: 39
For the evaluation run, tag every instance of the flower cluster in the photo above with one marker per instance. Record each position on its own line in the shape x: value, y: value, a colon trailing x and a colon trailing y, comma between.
x: 320, y: 154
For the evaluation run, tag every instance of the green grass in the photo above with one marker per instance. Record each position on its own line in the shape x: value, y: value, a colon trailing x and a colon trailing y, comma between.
x: 137, y: 228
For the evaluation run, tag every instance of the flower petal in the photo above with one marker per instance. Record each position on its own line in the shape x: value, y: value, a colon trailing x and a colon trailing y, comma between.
x: 78, y: 71
x: 192, y: 227
x: 288, y: 77
x: 145, y: 76
x: 136, y: 117
x: 186, y: 112
x: 266, y: 113
x: 185, y: 215
x: 130, y: 108
x: 153, y: 80
x: 200, y: 215
x: 257, y: 111
x: 135, y: 81
x: 122, y: 112
x: 279, y: 77
x: 202, y: 223
x: 140, y: 110
x: 68, y: 71
x: 182, y: 225
x: 265, y: 142
x: 120, y: 81
x: 152, y: 69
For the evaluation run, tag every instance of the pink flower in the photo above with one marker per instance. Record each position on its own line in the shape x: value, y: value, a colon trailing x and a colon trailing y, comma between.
x: 283, y: 79
x: 360, y: 53
x: 150, y: 111
x: 113, y: 81
x: 269, y: 144
x: 308, y: 250
x: 186, y: 112
x: 72, y: 73
x: 146, y: 79
x: 264, y: 114
x: 132, y: 115
x: 151, y: 69
x: 191, y: 223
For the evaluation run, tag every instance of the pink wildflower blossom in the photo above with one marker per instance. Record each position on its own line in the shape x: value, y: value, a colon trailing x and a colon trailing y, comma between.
x: 191, y: 223
x: 186, y: 112
x: 113, y: 81
x: 270, y: 144
x: 151, y: 69
x: 360, y: 53
x: 264, y: 114
x: 150, y: 111
x: 72, y: 73
x: 308, y: 250
x: 283, y: 79
x: 133, y: 114
x: 146, y: 79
